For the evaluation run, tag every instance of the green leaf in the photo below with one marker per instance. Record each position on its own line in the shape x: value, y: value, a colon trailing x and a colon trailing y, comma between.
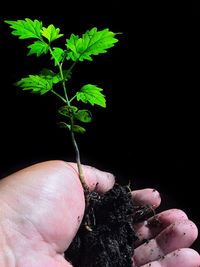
x: 38, y: 48
x: 55, y: 77
x: 67, y: 74
x: 35, y: 83
x: 58, y: 55
x: 79, y: 129
x: 67, y: 111
x: 93, y: 42
x: 51, y: 33
x: 25, y: 29
x: 92, y: 94
x: 83, y: 115
x: 50, y: 75
x: 47, y: 73
x: 76, y: 128
x: 64, y: 125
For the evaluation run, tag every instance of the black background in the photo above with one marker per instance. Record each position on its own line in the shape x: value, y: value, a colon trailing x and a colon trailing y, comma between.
x: 144, y: 133
x: 195, y: 8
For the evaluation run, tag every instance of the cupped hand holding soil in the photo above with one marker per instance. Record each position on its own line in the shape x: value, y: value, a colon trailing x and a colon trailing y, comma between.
x: 42, y: 207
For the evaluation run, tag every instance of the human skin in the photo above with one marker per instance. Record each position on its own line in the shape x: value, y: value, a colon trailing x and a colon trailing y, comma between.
x: 42, y: 207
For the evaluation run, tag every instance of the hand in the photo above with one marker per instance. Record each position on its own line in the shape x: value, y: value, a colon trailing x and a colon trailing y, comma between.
x: 42, y: 207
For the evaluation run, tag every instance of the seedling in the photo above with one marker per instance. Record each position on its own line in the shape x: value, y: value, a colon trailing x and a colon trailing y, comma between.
x: 107, y: 227
x: 76, y: 49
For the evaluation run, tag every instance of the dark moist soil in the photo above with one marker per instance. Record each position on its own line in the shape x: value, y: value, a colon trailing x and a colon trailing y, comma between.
x: 106, y: 237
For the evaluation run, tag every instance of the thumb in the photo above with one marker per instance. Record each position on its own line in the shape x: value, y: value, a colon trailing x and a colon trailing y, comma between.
x: 95, y: 179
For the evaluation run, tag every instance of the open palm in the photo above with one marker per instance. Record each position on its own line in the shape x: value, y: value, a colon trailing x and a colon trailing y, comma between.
x: 42, y: 207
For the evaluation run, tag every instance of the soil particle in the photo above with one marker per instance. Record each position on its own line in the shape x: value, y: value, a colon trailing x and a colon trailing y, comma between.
x: 106, y: 237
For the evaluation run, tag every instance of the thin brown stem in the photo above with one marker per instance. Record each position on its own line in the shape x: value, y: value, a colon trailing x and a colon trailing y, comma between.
x: 78, y: 161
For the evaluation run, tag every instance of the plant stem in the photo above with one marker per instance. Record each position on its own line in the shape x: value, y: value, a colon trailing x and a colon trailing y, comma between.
x: 67, y: 101
x: 78, y: 161
x: 64, y: 85
x: 58, y: 95
x: 72, y: 99
x: 71, y: 68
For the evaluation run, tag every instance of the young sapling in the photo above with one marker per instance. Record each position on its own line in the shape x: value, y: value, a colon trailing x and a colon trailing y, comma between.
x: 75, y: 49
x: 107, y: 227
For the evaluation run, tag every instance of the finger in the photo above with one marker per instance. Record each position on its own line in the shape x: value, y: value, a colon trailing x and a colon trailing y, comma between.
x: 146, y: 196
x: 178, y: 235
x: 102, y: 181
x: 184, y: 257
x: 156, y: 224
